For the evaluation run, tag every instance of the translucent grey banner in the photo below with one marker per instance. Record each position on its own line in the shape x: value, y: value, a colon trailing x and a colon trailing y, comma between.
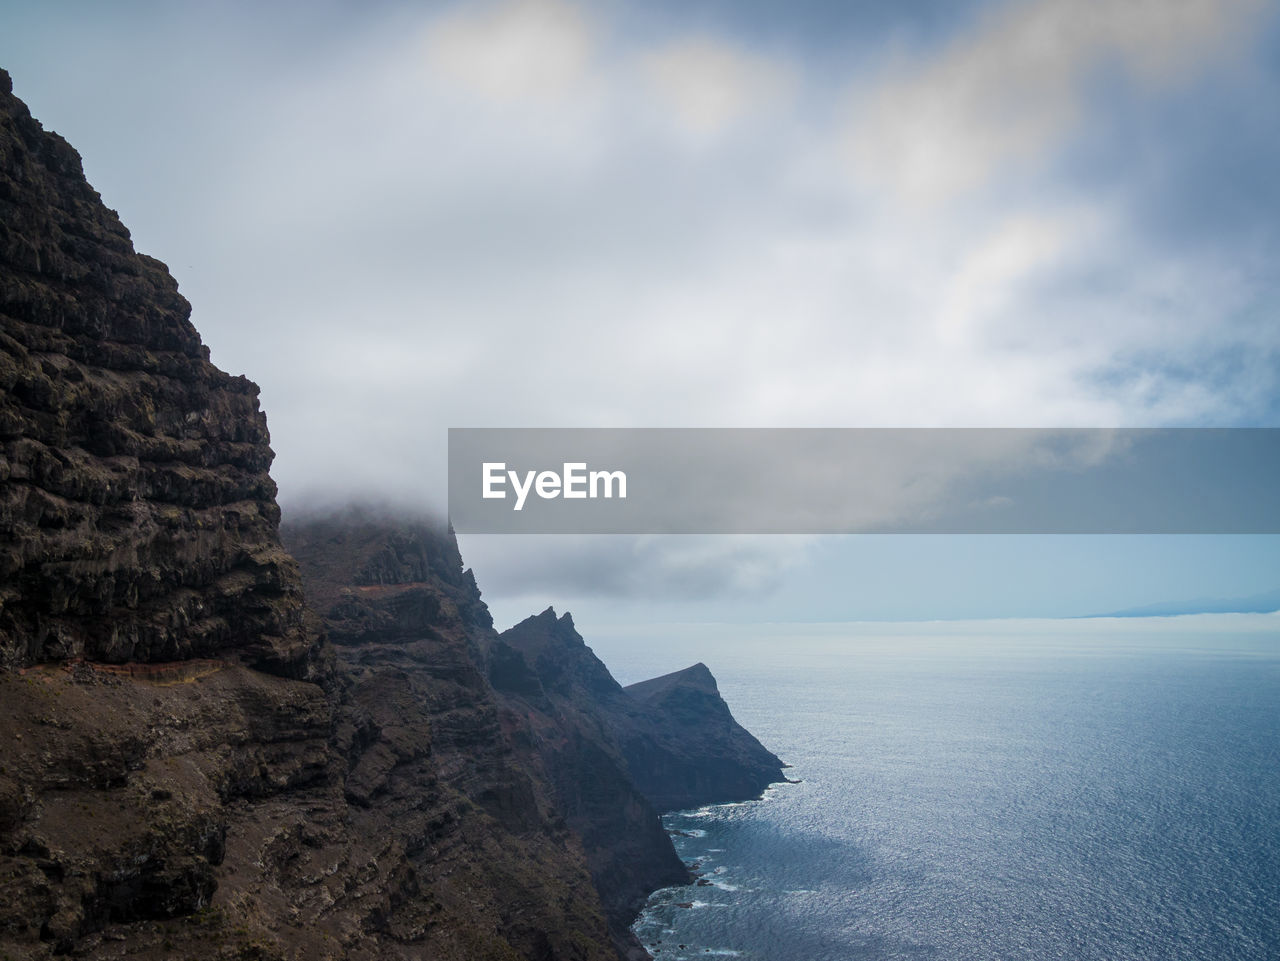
x: 824, y: 481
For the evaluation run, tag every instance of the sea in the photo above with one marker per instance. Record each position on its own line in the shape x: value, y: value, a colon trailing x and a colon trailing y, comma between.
x: 1085, y: 789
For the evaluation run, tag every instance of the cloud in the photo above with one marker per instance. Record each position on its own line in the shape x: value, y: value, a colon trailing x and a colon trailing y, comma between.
x: 708, y: 85
x: 1007, y: 93
x: 531, y: 214
x: 991, y: 275
x: 669, y: 568
x: 513, y: 50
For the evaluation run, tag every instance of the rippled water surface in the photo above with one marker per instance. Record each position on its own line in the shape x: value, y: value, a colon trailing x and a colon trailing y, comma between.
x: 1034, y: 795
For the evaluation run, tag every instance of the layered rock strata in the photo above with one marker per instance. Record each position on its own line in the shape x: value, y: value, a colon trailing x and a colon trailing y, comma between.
x: 137, y: 516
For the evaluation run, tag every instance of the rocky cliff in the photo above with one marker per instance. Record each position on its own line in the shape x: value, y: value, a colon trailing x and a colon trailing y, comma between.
x: 675, y: 735
x: 432, y: 761
x: 138, y: 514
x: 552, y: 681
x: 203, y: 809
x: 194, y: 762
x: 683, y: 747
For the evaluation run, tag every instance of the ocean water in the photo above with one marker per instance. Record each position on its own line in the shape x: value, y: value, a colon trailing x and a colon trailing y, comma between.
x: 1010, y: 790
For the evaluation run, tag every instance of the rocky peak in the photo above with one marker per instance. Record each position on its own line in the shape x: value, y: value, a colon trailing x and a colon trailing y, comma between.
x: 559, y: 656
x: 684, y: 747
x: 377, y: 577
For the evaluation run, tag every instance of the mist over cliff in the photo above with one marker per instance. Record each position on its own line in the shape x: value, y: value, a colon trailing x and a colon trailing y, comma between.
x: 224, y: 738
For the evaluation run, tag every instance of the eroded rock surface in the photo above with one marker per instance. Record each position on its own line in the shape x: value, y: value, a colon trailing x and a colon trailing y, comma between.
x: 432, y: 761
x: 137, y: 515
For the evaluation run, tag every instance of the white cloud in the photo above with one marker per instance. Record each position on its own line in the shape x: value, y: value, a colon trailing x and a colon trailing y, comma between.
x: 1006, y: 93
x: 514, y: 50
x: 676, y: 567
x: 990, y: 276
x: 709, y: 85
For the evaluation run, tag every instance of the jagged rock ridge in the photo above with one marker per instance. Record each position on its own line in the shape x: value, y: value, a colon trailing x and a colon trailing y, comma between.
x: 431, y: 763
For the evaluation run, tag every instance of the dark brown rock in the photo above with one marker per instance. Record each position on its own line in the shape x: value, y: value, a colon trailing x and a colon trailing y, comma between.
x: 435, y: 766
x: 137, y: 515
x: 124, y: 794
x: 173, y: 781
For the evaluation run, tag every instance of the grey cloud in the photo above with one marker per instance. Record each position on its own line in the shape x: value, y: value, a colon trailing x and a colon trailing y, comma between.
x: 658, y: 569
x: 389, y: 253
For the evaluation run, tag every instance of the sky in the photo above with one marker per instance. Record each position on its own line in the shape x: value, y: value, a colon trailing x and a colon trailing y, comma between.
x: 399, y: 218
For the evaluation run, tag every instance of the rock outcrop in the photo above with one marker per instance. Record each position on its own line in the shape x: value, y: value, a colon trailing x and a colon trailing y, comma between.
x: 194, y: 763
x: 675, y: 734
x: 161, y: 815
x: 566, y: 696
x: 683, y: 747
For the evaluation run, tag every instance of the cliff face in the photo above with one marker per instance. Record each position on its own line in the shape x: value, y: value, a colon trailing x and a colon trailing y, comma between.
x: 160, y: 795
x: 432, y: 764
x: 138, y: 516
x: 188, y: 767
x: 683, y: 747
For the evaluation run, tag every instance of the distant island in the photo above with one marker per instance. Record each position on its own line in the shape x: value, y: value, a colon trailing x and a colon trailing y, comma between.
x: 1265, y: 603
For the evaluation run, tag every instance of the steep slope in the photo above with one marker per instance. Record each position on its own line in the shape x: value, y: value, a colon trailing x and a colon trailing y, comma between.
x: 679, y: 741
x: 684, y: 748
x: 174, y: 781
x: 189, y: 768
x: 137, y: 528
x: 618, y: 756
x: 153, y: 813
